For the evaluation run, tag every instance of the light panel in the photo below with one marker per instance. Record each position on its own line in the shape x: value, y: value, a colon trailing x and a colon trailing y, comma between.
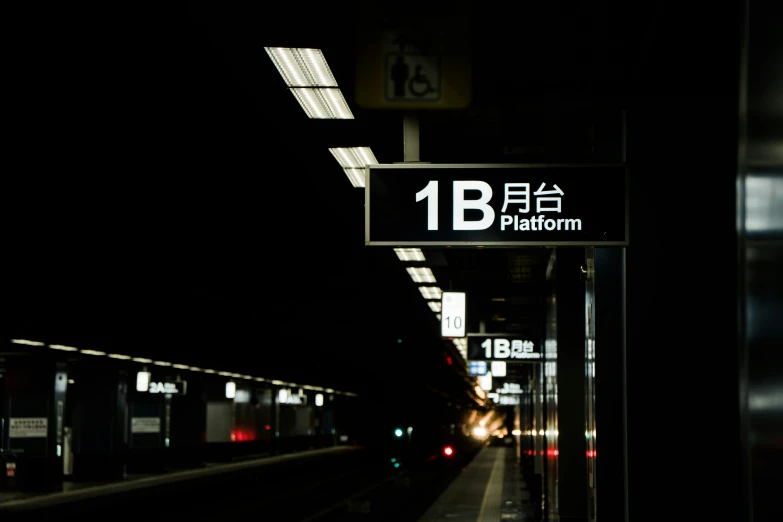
x: 27, y: 342
x: 143, y: 381
x: 301, y: 67
x: 161, y: 363
x: 421, y: 274
x: 323, y: 103
x: 61, y: 347
x: 353, y: 160
x: 409, y: 254
x: 431, y: 292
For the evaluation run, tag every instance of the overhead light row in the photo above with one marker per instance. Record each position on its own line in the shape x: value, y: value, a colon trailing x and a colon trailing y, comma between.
x: 432, y: 294
x: 145, y: 360
x: 311, y: 81
x: 354, y: 161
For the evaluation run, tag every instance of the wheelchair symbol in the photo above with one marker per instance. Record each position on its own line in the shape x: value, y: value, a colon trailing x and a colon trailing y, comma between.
x: 419, y: 85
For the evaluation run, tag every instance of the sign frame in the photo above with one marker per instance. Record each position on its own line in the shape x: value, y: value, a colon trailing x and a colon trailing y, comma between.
x: 491, y: 166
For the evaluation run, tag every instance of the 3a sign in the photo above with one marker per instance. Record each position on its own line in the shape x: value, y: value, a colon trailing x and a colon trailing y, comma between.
x: 452, y: 314
x: 504, y: 205
x: 487, y: 348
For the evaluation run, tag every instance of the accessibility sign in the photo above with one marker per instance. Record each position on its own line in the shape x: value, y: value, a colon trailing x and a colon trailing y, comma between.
x: 421, y: 62
x: 412, y: 77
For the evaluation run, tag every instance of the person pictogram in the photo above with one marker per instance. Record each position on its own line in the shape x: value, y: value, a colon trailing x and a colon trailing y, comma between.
x: 399, y: 73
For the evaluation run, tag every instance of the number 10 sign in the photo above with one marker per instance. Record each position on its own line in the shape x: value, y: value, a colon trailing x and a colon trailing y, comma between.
x: 452, y: 318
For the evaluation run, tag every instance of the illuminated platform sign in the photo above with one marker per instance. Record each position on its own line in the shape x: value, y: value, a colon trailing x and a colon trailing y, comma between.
x: 496, y: 205
x: 477, y: 367
x: 500, y: 348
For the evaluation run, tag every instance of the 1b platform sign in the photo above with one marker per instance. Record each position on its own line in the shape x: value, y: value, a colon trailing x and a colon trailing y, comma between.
x: 496, y: 205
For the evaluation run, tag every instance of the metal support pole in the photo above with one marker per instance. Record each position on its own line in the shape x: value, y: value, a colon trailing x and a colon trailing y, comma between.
x: 623, y: 276
x: 410, y: 129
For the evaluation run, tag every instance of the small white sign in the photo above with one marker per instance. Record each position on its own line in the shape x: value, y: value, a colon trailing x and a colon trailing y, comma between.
x: 452, y: 319
x: 28, y: 427
x: 145, y: 425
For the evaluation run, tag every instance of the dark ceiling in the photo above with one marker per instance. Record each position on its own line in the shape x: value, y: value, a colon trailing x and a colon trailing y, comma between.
x: 202, y: 215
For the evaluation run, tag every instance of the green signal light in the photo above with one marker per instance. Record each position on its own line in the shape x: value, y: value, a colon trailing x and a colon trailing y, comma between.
x: 399, y: 340
x: 398, y: 432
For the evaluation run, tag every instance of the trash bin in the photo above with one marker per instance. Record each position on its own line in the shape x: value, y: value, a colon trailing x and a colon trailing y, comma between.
x: 8, y: 470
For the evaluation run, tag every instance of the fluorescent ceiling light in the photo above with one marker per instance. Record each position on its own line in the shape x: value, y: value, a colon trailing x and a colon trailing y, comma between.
x: 312, y: 83
x: 180, y: 366
x: 119, y: 356
x: 409, y: 254
x: 142, y: 359
x: 27, y: 342
x: 323, y: 104
x: 435, y: 306
x: 353, y: 160
x: 161, y: 363
x: 93, y: 352
x: 302, y: 67
x: 63, y: 348
x: 421, y: 274
x: 430, y: 292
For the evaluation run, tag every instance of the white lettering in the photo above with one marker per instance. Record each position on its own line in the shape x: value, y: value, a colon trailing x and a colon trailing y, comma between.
x: 536, y: 223
x: 506, y: 220
x: 430, y: 193
x: 461, y: 205
x: 502, y: 350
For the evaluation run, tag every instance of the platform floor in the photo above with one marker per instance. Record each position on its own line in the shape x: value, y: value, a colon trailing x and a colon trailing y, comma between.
x: 490, y: 489
x: 72, y: 491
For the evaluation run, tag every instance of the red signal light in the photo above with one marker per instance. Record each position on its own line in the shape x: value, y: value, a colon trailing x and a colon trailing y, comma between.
x: 448, y: 451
